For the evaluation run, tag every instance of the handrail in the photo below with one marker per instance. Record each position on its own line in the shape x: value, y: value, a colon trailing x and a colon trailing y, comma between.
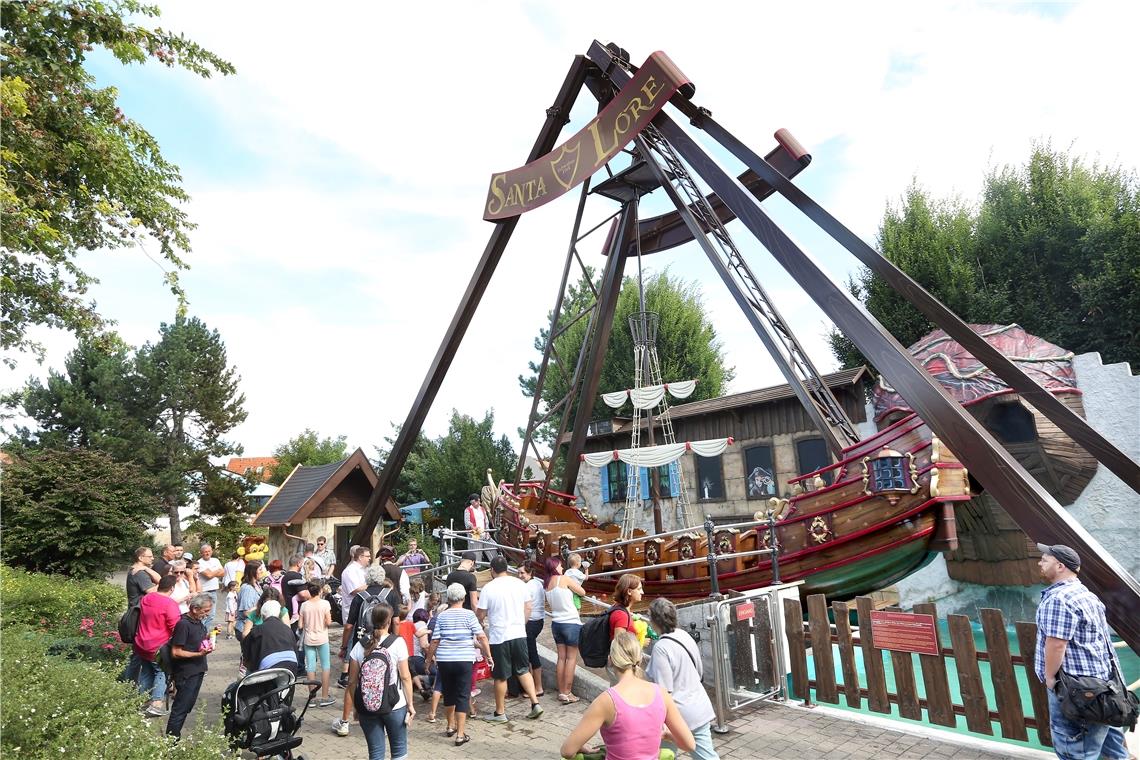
x: 681, y: 563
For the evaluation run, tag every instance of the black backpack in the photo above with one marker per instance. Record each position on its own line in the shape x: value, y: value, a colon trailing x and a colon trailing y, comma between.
x: 129, y: 624
x: 594, y: 639
x: 363, y: 630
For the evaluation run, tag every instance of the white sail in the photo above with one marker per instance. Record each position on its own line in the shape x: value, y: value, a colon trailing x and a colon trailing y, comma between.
x: 649, y: 396
x: 656, y: 456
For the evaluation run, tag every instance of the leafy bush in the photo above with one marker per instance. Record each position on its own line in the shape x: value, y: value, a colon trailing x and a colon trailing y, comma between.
x: 55, y: 602
x: 73, y: 511
x: 55, y: 707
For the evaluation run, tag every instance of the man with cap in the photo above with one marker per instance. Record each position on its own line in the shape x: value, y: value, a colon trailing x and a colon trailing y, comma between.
x: 475, y: 520
x: 1072, y: 634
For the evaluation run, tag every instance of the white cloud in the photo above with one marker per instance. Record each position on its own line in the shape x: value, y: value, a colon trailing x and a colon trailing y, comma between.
x: 333, y: 265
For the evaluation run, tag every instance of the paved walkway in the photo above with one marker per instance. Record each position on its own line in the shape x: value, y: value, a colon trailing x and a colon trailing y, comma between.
x: 765, y: 731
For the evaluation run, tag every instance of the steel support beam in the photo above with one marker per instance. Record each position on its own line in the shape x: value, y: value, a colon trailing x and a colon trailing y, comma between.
x: 603, y: 322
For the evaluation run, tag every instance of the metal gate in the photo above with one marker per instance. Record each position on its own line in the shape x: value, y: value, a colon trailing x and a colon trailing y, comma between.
x: 748, y: 655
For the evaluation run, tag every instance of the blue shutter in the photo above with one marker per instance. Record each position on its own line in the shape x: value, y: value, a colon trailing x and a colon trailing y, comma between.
x: 643, y: 473
x: 605, y: 478
x: 675, y: 479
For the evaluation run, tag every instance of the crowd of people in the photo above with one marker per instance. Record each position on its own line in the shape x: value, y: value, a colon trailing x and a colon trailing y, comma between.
x: 435, y: 645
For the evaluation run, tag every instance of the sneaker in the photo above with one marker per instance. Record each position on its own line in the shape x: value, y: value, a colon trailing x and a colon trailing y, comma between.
x: 496, y: 718
x: 327, y: 702
x: 340, y: 727
x: 342, y: 682
x: 535, y: 711
x: 154, y: 712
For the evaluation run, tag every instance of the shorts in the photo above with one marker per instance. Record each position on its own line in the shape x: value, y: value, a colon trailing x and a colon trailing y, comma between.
x: 533, y: 628
x: 417, y: 665
x: 511, y: 659
x: 566, y: 633
x: 456, y: 678
x: 313, y: 652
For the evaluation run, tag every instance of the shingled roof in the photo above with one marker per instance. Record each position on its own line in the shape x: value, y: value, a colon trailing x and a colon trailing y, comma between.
x: 306, y: 487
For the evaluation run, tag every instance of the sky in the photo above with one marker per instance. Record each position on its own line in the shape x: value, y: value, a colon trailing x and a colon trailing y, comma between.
x: 337, y: 180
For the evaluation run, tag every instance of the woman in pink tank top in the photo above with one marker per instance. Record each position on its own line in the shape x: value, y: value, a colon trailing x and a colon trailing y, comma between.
x: 631, y: 714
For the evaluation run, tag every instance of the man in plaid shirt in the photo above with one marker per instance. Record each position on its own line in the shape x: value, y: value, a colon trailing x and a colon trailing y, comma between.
x: 1072, y: 634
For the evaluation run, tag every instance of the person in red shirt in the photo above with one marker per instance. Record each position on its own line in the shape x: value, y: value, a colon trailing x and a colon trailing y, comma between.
x: 158, y: 614
x: 627, y: 594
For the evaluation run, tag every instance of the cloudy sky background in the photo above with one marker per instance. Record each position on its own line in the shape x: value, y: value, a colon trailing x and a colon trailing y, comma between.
x: 338, y: 179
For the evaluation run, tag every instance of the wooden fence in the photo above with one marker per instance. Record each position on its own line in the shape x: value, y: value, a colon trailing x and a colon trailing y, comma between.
x: 818, y: 634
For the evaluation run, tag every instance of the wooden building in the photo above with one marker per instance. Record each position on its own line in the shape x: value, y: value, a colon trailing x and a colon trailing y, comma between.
x: 326, y: 500
x: 774, y: 440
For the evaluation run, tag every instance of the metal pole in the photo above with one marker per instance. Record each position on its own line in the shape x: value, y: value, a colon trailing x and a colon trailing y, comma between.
x: 775, y: 549
x: 721, y: 726
x: 710, y: 526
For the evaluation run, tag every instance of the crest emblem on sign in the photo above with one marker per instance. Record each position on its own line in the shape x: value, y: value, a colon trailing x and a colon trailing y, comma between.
x: 565, y: 164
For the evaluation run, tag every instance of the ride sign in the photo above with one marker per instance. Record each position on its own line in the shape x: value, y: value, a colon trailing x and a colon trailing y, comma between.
x: 904, y: 632
x: 519, y: 190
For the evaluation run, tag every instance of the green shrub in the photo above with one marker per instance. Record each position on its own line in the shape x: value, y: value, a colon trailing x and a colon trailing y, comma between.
x: 55, y: 602
x: 54, y: 707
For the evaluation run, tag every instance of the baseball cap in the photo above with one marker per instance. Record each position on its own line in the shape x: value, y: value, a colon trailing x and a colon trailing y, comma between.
x: 188, y: 556
x: 1063, y: 554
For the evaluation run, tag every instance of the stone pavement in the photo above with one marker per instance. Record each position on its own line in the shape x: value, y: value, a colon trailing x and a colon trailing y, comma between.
x: 764, y: 731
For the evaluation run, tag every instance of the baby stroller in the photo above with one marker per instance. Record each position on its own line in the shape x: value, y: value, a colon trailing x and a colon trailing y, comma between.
x: 259, y: 713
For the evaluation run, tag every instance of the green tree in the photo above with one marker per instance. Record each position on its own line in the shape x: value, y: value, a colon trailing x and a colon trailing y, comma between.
x: 687, y: 343
x: 455, y: 465
x: 92, y: 403
x: 407, y: 489
x: 192, y: 396
x: 307, y: 449
x: 74, y: 511
x: 75, y: 173
x: 1053, y: 245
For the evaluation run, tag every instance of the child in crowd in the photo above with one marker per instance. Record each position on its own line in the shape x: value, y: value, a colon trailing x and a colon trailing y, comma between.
x: 419, y: 596
x: 231, y: 608
x: 313, y: 620
x: 576, y: 572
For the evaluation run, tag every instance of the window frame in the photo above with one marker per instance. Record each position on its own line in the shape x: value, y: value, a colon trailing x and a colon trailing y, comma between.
x: 748, y: 471
x: 719, y: 458
x: 828, y: 477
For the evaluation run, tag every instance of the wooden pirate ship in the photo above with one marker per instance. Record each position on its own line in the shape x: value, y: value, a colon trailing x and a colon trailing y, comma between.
x: 885, y: 507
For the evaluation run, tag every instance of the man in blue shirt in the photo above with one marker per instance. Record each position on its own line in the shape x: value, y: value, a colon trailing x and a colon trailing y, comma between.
x: 1072, y: 634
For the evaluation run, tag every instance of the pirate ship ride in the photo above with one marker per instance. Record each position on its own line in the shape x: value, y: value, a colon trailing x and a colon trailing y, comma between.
x: 899, y: 474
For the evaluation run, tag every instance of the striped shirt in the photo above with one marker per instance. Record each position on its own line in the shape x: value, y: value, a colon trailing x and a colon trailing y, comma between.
x: 455, y: 630
x: 1071, y: 612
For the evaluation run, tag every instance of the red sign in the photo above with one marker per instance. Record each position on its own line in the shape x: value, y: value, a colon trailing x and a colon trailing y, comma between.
x: 745, y: 611
x: 544, y: 179
x: 904, y: 632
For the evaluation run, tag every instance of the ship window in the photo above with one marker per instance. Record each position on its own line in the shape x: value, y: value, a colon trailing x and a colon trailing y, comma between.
x: 759, y: 475
x: 812, y: 455
x: 889, y: 474
x: 1011, y: 423
x: 616, y: 477
x: 710, y: 478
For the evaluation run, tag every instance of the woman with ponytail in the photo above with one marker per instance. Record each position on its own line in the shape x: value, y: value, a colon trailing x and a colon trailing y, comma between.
x: 630, y: 714
x: 393, y: 724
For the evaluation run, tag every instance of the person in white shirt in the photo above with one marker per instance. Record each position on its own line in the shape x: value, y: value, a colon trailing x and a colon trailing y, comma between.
x: 352, y: 582
x: 210, y: 572
x: 675, y: 665
x: 505, y: 604
x: 394, y: 725
x: 325, y: 555
x: 475, y: 520
x: 232, y: 569
x: 537, y: 590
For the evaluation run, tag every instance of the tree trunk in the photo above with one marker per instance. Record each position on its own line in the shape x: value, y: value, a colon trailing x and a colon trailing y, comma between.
x: 175, y: 523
